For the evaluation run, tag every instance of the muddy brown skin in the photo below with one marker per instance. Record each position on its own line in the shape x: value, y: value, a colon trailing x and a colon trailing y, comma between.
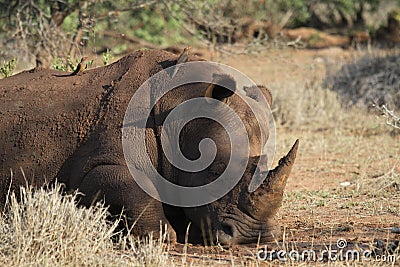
x: 70, y: 129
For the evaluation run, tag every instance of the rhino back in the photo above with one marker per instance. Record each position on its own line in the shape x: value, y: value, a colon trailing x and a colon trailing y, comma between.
x: 42, y: 121
x: 49, y: 121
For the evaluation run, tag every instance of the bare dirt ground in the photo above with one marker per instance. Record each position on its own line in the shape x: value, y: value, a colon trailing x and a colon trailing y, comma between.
x: 346, y: 180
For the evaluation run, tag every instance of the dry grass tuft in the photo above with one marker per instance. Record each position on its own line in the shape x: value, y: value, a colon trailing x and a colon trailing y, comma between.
x: 43, y: 228
x: 305, y: 104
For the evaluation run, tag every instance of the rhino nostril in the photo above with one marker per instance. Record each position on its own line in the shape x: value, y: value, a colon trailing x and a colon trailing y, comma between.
x: 227, y: 229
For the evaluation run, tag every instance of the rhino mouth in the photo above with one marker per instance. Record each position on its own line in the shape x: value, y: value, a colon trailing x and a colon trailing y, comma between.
x: 242, y: 229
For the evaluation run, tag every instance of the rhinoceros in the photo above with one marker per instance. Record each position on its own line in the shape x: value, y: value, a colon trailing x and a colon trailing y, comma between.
x: 69, y: 129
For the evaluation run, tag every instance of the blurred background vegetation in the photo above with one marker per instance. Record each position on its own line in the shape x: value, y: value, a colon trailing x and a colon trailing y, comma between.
x: 38, y: 32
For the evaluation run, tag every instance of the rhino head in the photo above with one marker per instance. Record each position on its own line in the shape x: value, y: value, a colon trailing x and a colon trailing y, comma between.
x: 240, y: 216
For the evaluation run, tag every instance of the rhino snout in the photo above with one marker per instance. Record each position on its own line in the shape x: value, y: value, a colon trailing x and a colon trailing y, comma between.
x: 227, y: 234
x: 231, y: 232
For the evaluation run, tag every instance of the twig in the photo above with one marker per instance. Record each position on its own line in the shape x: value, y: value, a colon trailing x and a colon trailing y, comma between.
x: 391, y: 118
x: 296, y: 43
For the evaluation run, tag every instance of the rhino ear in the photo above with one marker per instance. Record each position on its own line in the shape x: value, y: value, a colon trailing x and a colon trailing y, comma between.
x: 221, y: 87
x: 251, y: 91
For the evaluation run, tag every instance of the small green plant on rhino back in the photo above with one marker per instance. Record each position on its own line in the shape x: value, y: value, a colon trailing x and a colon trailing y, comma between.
x: 68, y: 64
x: 106, y: 57
x: 59, y: 64
x: 8, y: 68
x: 64, y: 65
x: 89, y: 64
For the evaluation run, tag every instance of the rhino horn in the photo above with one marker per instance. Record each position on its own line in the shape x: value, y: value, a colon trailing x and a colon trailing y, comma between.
x: 270, y: 193
x: 276, y: 179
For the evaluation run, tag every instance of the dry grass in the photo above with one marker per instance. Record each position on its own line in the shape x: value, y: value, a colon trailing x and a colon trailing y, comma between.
x: 43, y: 228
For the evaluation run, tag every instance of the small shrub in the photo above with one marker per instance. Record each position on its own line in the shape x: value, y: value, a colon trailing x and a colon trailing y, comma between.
x: 67, y: 65
x: 106, y: 57
x: 8, y: 68
x: 59, y: 64
x: 367, y: 81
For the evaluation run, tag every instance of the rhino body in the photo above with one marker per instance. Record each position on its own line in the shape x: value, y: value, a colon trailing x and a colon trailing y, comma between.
x: 69, y: 129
